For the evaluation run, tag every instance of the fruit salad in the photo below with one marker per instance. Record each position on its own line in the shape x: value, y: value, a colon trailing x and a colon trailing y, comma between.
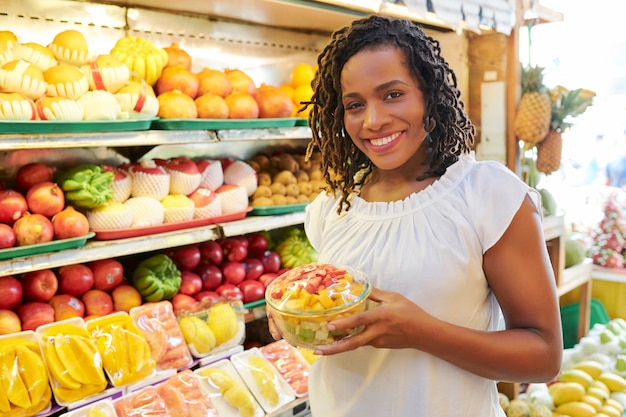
x: 303, y: 300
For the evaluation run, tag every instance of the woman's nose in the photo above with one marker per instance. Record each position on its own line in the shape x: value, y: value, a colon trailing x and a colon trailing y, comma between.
x: 375, y: 117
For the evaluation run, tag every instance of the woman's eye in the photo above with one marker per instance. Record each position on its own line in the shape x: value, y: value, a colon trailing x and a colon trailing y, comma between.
x: 352, y: 106
x: 393, y: 94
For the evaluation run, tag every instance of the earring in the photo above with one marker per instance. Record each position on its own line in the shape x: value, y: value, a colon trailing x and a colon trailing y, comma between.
x: 429, y: 125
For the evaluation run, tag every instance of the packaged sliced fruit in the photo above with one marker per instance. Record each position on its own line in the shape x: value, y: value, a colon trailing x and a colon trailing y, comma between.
x: 183, y: 396
x: 158, y: 324
x: 268, y: 387
x: 125, y: 352
x: 24, y: 383
x: 228, y: 392
x: 290, y: 364
x: 72, y: 359
x: 303, y: 300
x: 145, y: 402
x: 102, y: 408
x: 213, y: 327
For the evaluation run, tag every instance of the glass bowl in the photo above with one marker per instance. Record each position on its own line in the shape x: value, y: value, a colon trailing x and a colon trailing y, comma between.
x: 303, y: 300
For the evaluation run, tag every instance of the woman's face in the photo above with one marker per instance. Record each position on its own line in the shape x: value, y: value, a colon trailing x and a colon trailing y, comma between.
x: 384, y: 108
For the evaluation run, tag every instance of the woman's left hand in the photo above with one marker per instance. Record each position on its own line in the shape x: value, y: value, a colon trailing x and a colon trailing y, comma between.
x: 385, y: 325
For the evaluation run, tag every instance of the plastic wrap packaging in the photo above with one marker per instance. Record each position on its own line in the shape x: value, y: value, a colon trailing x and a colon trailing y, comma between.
x: 159, y: 326
x: 290, y: 364
x: 72, y: 359
x: 103, y: 408
x: 24, y: 384
x: 125, y: 352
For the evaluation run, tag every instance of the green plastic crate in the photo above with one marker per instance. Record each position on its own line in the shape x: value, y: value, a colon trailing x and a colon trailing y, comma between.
x: 569, y: 320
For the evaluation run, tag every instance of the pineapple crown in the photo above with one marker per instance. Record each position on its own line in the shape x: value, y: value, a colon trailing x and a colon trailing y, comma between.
x: 532, y: 79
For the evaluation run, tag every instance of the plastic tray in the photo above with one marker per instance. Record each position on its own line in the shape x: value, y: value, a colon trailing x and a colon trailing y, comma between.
x: 274, y: 210
x: 222, y: 124
x: 111, y: 234
x: 60, y: 126
x: 39, y: 248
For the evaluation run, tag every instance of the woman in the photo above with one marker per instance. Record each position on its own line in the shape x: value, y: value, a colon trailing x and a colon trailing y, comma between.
x: 450, y: 244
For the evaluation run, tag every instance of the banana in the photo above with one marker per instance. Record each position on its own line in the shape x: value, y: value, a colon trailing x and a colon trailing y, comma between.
x: 33, y: 372
x: 14, y: 386
x: 264, y: 376
x: 614, y: 382
x: 576, y: 409
x: 563, y: 392
x: 88, y: 360
x: 56, y: 367
x: 576, y: 375
x: 591, y: 367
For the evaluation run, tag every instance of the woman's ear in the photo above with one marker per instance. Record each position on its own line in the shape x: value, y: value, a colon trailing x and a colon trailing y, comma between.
x: 429, y: 124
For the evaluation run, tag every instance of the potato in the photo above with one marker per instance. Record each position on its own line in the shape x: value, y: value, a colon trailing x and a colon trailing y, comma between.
x: 278, y: 188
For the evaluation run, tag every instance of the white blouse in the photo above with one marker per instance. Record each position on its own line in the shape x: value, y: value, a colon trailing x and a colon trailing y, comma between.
x: 428, y: 247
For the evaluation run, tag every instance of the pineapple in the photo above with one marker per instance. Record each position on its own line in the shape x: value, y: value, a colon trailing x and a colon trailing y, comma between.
x: 532, y: 121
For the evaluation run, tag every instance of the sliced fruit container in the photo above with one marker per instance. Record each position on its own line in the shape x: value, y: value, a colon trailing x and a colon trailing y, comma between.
x: 267, y: 386
x: 213, y: 328
x: 303, y: 300
x: 290, y: 364
x: 24, y: 383
x: 158, y: 324
x: 125, y: 352
x: 102, y: 408
x: 183, y: 395
x: 74, y: 364
x: 228, y: 392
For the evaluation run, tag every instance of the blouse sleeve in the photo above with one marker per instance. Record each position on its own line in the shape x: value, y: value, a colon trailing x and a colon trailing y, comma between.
x: 315, y: 213
x: 497, y: 196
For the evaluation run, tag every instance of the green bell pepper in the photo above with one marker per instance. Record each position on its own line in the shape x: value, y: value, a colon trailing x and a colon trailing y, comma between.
x: 157, y: 278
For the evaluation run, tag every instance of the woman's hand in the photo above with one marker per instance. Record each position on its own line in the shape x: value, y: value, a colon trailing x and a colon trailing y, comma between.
x: 272, y: 326
x: 390, y: 324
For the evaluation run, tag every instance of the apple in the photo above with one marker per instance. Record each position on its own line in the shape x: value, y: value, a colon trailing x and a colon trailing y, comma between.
x: 66, y: 306
x: 210, y: 297
x: 9, y: 322
x: 234, y: 249
x: 45, y: 198
x: 186, y: 258
x: 32, y: 173
x: 107, y: 274
x: 191, y: 283
x: 252, y: 290
x: 202, y: 197
x: 97, y: 303
x: 75, y: 279
x: 185, y: 177
x: 233, y: 272
x: 267, y: 278
x: 39, y: 285
x: 211, y: 252
x: 33, y: 314
x: 8, y: 238
x: 212, y: 173
x: 271, y: 261
x: 11, y: 290
x: 182, y: 164
x: 13, y: 205
x: 254, y: 268
x: 229, y: 291
x: 257, y: 243
x: 211, y: 276
x: 125, y: 297
x: 183, y: 302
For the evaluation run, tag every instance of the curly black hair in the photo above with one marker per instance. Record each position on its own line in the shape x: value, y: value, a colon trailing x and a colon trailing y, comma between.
x: 452, y: 134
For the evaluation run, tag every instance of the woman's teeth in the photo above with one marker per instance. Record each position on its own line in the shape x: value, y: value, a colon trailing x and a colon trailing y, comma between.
x: 385, y: 140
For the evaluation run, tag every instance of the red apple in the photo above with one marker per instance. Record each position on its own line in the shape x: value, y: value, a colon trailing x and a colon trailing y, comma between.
x: 45, y: 198
x: 13, y: 205
x: 182, y: 164
x: 107, y: 274
x: 211, y: 252
x: 183, y: 302
x: 191, y: 283
x: 211, y: 297
x: 8, y: 238
x: 32, y: 173
x: 229, y: 291
x: 149, y: 166
x: 9, y: 322
x: 267, y: 278
x: 254, y: 268
x: 234, y: 249
x: 257, y: 243
x: 233, y: 272
x: 66, y: 306
x: 31, y: 229
x: 252, y: 290
x: 34, y: 314
x: 97, y: 303
x: 271, y: 261
x: 202, y: 197
x: 211, y: 276
x: 39, y: 285
x: 125, y: 297
x: 11, y: 290
x: 75, y: 279
x: 186, y: 258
